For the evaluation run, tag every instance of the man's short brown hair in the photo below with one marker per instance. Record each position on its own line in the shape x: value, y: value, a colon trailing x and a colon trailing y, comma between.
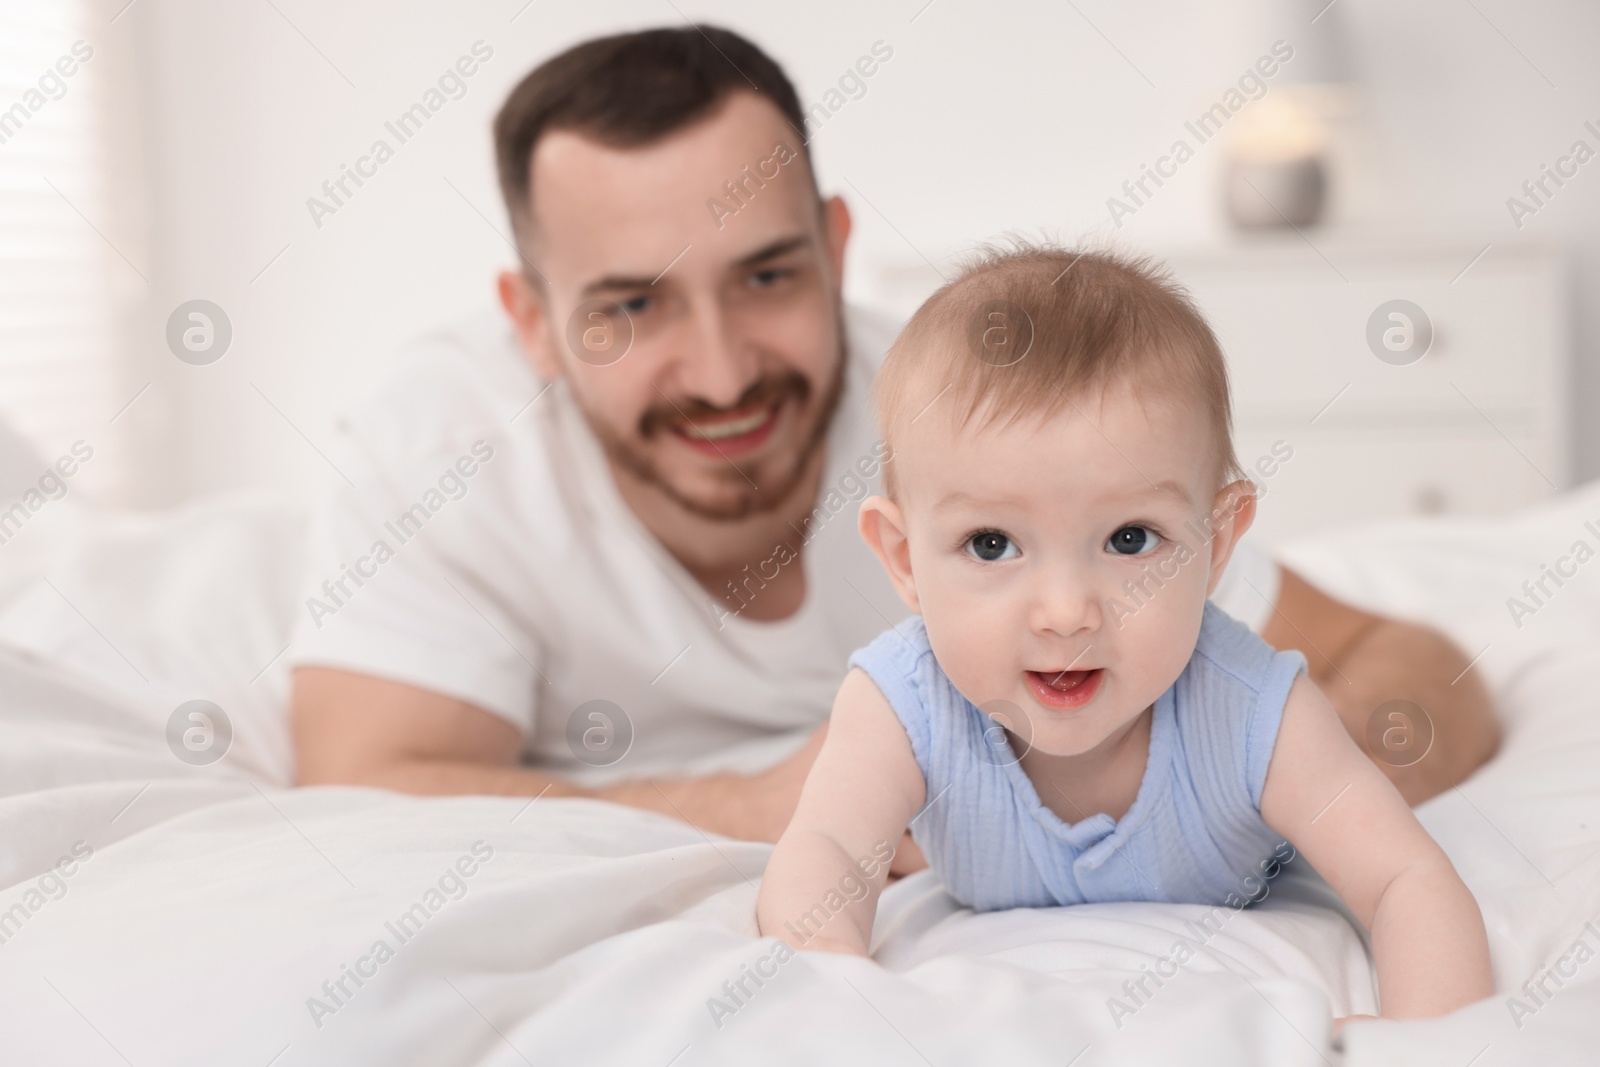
x: 1020, y: 332
x: 629, y: 90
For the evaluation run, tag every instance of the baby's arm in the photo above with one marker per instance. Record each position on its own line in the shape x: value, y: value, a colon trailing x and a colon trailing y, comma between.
x: 1346, y: 817
x: 858, y: 799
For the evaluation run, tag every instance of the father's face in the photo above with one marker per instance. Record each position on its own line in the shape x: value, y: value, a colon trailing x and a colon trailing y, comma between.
x: 732, y: 301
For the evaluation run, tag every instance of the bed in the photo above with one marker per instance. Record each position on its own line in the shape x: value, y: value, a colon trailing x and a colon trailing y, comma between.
x: 154, y: 911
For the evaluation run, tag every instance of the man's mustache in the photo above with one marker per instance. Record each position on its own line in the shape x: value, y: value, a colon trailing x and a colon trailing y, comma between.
x: 764, y: 392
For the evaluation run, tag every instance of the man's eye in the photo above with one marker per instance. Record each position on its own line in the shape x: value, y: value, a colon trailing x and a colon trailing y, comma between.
x: 636, y: 305
x: 1133, y: 541
x: 990, y: 546
x: 766, y: 279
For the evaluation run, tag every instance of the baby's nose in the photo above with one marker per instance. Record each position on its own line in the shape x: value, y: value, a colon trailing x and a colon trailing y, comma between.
x: 1065, y: 603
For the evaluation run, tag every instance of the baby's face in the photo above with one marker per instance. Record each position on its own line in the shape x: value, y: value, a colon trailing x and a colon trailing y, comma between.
x: 1021, y: 542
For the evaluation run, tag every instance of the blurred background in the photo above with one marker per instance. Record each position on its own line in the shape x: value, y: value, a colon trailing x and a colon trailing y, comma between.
x: 1395, y: 231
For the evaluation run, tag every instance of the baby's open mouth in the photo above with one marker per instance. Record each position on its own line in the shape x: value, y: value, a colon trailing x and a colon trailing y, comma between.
x: 1065, y: 689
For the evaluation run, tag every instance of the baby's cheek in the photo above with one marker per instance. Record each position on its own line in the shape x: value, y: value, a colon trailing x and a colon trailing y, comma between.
x: 968, y: 666
x: 971, y: 654
x: 1155, y: 644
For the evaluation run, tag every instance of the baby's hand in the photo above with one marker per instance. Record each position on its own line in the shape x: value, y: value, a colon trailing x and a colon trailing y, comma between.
x: 1323, y: 794
x: 820, y: 890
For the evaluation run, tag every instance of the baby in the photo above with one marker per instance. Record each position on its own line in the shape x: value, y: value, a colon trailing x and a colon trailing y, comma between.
x: 1068, y: 719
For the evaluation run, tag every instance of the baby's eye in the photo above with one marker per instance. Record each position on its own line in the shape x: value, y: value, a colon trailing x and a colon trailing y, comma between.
x: 991, y: 546
x: 1133, y: 541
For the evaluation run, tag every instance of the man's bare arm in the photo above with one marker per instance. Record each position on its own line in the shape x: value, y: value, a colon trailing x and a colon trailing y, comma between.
x: 1362, y: 661
x: 355, y: 729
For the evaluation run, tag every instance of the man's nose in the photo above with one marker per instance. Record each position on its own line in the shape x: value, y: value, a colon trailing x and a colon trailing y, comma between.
x: 714, y: 364
x: 1065, y: 601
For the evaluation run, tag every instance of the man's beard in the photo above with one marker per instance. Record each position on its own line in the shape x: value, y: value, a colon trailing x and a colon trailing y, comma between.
x: 750, y: 498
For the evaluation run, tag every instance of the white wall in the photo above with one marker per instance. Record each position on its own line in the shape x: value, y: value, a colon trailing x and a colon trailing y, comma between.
x: 990, y: 117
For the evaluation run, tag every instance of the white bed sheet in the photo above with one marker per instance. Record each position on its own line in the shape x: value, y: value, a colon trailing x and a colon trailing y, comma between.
x: 217, y: 902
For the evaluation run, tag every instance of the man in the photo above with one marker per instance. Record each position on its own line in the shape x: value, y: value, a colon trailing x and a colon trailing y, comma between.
x: 606, y: 547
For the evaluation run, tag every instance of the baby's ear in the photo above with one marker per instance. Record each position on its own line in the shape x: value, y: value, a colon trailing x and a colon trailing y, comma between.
x: 883, y: 528
x: 1232, y: 511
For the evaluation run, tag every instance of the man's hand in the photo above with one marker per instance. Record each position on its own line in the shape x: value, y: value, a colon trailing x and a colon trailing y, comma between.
x: 908, y: 859
x: 750, y: 807
x: 781, y: 786
x: 755, y: 807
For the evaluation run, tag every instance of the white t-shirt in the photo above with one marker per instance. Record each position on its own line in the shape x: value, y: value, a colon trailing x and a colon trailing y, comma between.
x: 477, y: 547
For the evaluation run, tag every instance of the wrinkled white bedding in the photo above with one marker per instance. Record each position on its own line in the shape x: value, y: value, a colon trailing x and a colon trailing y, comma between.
x: 216, y: 903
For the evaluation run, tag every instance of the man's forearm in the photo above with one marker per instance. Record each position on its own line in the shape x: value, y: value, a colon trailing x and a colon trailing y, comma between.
x: 719, y: 803
x: 1362, y: 662
x: 1427, y: 678
x: 351, y: 729
x: 439, y: 777
x: 732, y: 805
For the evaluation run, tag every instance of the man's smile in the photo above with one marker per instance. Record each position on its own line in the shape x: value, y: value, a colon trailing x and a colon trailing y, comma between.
x: 735, y: 433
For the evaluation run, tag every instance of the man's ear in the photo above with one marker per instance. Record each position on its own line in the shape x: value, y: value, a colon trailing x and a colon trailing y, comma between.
x: 883, y: 528
x: 525, y: 307
x: 836, y: 216
x: 1232, y: 511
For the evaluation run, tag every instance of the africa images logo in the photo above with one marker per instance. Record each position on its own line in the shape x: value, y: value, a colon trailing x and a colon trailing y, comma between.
x: 450, y: 85
x: 452, y: 485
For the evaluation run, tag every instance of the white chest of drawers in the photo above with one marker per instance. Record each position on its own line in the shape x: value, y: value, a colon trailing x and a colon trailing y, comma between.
x: 1478, y: 424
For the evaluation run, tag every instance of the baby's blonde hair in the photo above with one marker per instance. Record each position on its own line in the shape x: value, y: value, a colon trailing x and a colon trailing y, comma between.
x: 1020, y: 331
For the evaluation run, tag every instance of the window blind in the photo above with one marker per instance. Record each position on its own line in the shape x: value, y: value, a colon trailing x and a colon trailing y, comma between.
x: 57, y: 380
